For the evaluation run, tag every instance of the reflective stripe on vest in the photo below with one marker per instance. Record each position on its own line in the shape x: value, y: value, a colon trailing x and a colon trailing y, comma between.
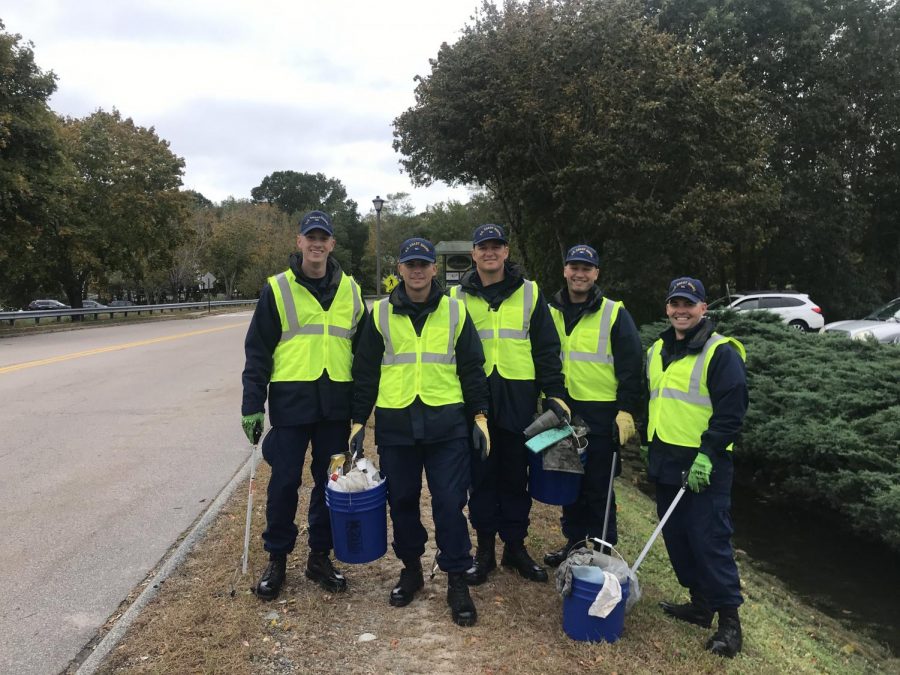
x: 313, y: 340
x: 680, y: 406
x: 505, y: 333
x: 419, y: 365
x: 588, y: 362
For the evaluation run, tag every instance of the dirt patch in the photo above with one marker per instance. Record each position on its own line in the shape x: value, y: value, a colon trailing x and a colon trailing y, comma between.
x: 195, y: 625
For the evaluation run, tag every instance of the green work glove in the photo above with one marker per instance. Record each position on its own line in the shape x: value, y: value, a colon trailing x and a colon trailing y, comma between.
x: 645, y: 454
x: 253, y: 426
x: 698, y: 478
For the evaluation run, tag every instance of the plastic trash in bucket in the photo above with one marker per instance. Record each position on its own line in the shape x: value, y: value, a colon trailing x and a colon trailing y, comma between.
x: 551, y: 487
x: 358, y: 523
x: 577, y: 623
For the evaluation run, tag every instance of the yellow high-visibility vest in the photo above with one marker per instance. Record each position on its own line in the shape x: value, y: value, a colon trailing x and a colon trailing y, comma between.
x: 419, y: 365
x: 505, y: 334
x: 587, y: 356
x: 312, y: 340
x: 680, y: 406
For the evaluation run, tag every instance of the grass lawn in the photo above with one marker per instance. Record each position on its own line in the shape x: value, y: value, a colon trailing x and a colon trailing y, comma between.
x: 195, y: 625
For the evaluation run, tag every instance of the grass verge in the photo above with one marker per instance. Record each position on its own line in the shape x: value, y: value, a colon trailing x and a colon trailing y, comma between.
x: 195, y: 625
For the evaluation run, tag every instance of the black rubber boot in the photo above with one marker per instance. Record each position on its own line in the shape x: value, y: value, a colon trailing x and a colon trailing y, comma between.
x: 273, y: 578
x: 728, y: 639
x: 461, y: 606
x: 320, y: 569
x: 556, y: 558
x: 485, y: 560
x: 696, y: 612
x: 515, y: 556
x: 411, y: 581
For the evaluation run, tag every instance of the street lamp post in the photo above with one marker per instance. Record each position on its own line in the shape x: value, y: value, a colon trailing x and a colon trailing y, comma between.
x: 378, y: 203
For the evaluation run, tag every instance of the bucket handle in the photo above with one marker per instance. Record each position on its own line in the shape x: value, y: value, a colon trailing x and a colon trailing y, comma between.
x: 597, y: 540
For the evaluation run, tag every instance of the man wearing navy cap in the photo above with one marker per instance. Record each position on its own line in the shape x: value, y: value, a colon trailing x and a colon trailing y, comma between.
x: 698, y: 398
x: 420, y: 364
x: 299, y: 348
x: 521, y: 351
x: 601, y: 356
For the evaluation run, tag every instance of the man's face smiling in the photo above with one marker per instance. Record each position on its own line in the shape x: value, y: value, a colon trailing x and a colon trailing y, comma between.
x: 580, y: 277
x: 490, y: 255
x: 315, y: 246
x: 417, y: 274
x: 684, y: 314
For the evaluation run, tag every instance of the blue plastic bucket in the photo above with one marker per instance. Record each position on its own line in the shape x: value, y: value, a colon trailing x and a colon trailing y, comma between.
x: 358, y: 523
x: 551, y: 487
x: 578, y: 624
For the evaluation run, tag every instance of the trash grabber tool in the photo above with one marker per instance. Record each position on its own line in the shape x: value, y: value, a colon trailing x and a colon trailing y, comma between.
x: 662, y: 522
x: 609, y: 493
x: 249, y: 509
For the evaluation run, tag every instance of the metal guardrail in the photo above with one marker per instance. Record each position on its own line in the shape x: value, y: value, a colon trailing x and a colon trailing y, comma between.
x: 58, y: 314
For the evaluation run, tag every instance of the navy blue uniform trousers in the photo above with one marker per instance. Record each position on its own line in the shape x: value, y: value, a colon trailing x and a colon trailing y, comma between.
x: 584, y: 517
x: 284, y: 448
x: 499, y: 502
x: 698, y: 539
x: 446, y: 466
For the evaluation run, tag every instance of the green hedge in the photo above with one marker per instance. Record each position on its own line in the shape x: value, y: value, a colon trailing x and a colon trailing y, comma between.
x: 823, y: 426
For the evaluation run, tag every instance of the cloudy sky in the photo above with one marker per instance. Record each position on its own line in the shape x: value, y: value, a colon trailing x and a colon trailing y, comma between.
x: 242, y: 89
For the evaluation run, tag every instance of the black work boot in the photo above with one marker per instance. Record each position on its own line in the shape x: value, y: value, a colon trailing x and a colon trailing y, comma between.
x: 696, y: 612
x: 515, y: 556
x: 461, y: 605
x: 320, y: 569
x: 485, y: 560
x: 556, y: 558
x: 411, y: 580
x: 273, y: 578
x: 728, y: 639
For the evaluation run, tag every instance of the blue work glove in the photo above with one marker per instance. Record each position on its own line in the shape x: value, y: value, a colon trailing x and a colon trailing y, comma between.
x: 481, y: 437
x: 698, y: 477
x: 357, y: 435
x: 559, y: 408
x: 253, y: 426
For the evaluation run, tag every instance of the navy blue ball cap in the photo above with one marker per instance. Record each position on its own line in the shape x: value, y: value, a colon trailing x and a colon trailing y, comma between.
x: 316, y: 220
x: 583, y: 253
x: 488, y: 232
x: 686, y: 287
x: 417, y: 249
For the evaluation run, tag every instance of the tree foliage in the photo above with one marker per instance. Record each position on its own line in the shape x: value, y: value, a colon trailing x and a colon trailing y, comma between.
x: 590, y: 126
x: 828, y: 74
x: 296, y: 193
x: 29, y: 159
x: 823, y: 427
x: 119, y: 208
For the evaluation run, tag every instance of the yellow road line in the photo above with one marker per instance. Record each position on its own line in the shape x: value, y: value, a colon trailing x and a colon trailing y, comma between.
x: 112, y: 348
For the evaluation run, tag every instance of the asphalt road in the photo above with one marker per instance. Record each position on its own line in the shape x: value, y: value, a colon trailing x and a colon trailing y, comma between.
x: 112, y: 441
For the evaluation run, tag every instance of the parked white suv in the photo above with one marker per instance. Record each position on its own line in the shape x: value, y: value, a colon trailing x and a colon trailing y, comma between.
x: 796, y: 309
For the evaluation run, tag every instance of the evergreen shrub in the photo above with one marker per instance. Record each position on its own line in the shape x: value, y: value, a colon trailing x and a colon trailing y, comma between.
x: 823, y: 426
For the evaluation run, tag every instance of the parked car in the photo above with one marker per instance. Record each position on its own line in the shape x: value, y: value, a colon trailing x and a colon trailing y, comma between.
x: 46, y: 304
x: 121, y: 303
x: 92, y: 304
x: 882, y: 325
x: 796, y: 309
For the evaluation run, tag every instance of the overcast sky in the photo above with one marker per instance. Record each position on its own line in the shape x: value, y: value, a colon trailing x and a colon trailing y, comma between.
x: 241, y: 89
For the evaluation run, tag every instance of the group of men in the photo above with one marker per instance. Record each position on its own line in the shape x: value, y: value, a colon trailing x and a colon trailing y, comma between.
x: 454, y: 379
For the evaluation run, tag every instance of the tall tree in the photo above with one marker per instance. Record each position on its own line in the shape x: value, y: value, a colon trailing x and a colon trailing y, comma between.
x: 828, y: 74
x: 590, y: 126
x: 29, y: 162
x: 120, y: 207
x: 295, y: 193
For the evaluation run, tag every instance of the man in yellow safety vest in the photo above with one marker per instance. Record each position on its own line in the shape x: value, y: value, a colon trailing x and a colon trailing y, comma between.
x: 298, y: 349
x: 420, y: 364
x: 601, y: 356
x: 521, y: 350
x: 697, y: 401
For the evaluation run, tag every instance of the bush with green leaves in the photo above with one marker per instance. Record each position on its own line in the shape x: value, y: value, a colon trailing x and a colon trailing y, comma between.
x: 823, y: 428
